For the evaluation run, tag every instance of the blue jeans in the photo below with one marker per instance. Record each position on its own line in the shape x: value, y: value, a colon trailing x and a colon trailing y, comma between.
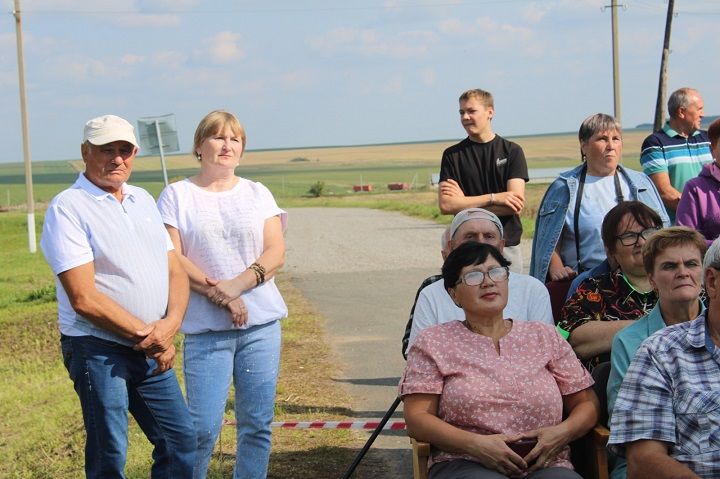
x: 110, y: 380
x: 251, y: 357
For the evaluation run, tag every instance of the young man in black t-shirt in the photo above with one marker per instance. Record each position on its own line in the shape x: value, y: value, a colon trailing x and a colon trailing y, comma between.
x: 486, y: 171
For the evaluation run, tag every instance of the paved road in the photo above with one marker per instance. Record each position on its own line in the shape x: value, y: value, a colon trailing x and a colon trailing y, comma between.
x: 361, y: 268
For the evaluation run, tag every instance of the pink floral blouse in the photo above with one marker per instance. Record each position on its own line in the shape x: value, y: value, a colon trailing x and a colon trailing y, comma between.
x: 482, y: 391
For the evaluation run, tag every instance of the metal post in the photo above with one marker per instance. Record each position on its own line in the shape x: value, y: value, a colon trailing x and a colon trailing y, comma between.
x: 24, y: 122
x: 371, y: 439
x: 616, y: 60
x: 162, y: 154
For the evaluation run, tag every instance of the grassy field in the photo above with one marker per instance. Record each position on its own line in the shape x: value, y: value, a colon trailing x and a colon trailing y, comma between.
x: 290, y: 173
x: 41, y: 431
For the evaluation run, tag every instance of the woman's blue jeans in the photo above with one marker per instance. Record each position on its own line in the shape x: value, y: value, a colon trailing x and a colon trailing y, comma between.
x: 110, y: 380
x: 251, y: 358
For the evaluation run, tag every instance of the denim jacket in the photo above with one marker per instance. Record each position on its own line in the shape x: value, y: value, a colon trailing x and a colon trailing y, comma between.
x: 558, y: 198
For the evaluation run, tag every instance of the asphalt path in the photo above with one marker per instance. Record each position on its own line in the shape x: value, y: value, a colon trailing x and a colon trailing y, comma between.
x: 361, y: 268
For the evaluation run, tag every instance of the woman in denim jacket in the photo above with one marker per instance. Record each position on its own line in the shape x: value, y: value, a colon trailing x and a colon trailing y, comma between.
x: 559, y: 238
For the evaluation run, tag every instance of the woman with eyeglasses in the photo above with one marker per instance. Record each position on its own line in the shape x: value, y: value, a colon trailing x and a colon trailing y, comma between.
x: 673, y: 260
x: 603, y: 305
x: 490, y: 393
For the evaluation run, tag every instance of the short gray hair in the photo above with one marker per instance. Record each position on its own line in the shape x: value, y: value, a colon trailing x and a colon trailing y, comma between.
x: 712, y: 256
x: 680, y: 98
x: 597, y: 123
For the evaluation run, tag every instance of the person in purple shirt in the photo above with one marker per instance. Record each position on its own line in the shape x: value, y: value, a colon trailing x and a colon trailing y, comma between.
x: 699, y: 206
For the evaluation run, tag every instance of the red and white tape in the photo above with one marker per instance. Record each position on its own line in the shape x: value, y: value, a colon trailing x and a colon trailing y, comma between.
x: 389, y: 426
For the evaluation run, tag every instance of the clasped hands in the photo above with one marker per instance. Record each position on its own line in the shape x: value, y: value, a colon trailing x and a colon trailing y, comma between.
x: 226, y: 294
x: 157, y: 343
x: 494, y: 452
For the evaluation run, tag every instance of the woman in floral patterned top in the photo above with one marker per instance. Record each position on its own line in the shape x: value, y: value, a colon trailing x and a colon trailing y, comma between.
x: 479, y: 390
x: 603, y: 305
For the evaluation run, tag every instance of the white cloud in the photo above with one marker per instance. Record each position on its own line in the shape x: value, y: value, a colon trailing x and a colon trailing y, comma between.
x: 78, y: 6
x: 123, y: 13
x: 492, y: 33
x: 394, y: 84
x: 131, y: 59
x: 300, y: 79
x: 368, y: 42
x: 224, y: 48
x: 81, y: 69
x: 428, y: 76
x: 171, y: 4
x: 168, y: 59
x: 535, y: 12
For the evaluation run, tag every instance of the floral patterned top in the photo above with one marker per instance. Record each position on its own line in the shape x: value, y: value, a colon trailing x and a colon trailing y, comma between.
x: 607, y: 297
x: 481, y: 391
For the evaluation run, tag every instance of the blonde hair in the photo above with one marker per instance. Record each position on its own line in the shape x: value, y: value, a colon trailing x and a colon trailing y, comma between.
x: 213, y: 123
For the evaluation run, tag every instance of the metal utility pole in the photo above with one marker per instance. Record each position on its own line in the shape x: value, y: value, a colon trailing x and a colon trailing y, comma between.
x: 662, y: 83
x: 616, y: 59
x: 26, y: 142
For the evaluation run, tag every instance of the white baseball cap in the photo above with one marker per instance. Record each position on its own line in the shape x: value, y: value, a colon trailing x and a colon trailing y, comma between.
x: 108, y: 128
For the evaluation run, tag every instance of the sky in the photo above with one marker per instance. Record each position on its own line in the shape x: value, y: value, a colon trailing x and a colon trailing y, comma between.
x: 327, y: 72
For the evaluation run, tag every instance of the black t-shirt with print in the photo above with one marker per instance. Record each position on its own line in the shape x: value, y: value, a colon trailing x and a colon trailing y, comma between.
x: 484, y: 168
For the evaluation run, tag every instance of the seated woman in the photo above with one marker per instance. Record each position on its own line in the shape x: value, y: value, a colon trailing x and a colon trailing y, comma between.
x: 567, y: 229
x: 673, y: 260
x: 488, y: 393
x: 603, y: 305
x: 699, y: 206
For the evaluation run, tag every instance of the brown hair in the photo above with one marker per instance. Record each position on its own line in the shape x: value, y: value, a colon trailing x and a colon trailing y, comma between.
x: 667, y: 238
x: 213, y: 123
x: 485, y: 97
x: 713, y: 133
x: 642, y: 213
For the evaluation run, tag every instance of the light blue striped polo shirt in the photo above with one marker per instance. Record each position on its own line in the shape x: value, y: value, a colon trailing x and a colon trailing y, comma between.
x: 127, y: 242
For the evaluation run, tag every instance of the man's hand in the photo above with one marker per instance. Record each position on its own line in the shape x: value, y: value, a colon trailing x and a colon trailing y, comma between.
x: 239, y: 311
x: 451, y: 187
x: 453, y: 195
x: 157, y: 338
x: 165, y: 360
x: 222, y: 292
x: 510, y: 200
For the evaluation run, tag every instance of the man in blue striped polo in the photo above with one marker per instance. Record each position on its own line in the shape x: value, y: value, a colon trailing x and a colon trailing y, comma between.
x: 677, y: 152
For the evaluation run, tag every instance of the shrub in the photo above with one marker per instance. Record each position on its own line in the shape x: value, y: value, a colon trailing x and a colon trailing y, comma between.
x: 316, y: 190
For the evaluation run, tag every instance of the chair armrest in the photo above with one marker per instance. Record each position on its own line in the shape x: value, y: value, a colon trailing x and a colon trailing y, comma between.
x: 600, y: 435
x: 420, y: 456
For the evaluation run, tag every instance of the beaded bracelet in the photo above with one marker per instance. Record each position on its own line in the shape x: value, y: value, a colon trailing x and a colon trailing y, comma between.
x: 259, y: 272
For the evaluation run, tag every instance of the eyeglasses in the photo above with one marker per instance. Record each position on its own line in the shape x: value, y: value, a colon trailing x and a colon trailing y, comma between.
x: 474, y: 278
x: 631, y: 239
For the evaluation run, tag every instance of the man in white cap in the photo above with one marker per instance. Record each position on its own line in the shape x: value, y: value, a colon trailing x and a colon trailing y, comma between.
x: 528, y: 299
x: 122, y: 294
